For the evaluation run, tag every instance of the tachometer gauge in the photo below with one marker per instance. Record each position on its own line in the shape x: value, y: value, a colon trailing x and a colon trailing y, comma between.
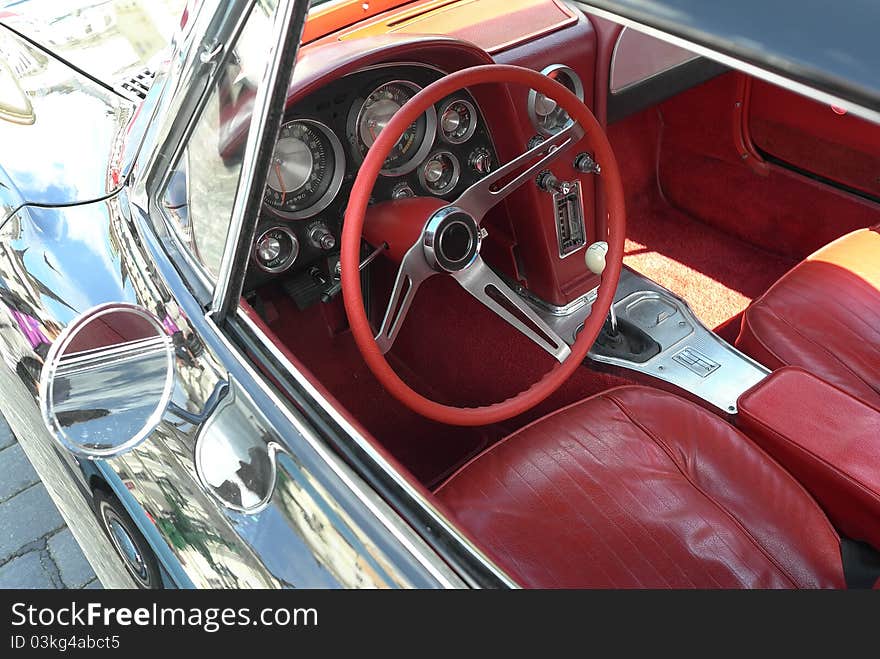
x: 306, y: 169
x: 440, y: 173
x: 366, y: 121
x: 458, y: 121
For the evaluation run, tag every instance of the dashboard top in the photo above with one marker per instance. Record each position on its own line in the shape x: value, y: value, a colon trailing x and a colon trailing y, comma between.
x: 502, y: 24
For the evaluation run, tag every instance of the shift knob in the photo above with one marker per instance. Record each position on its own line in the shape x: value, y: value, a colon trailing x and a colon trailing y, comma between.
x: 595, y: 257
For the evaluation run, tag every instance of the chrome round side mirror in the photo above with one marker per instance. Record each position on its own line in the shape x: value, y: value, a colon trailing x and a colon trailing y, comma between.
x: 107, y: 380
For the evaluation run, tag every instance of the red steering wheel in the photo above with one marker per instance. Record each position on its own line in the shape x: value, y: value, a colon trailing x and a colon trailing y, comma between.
x: 428, y: 236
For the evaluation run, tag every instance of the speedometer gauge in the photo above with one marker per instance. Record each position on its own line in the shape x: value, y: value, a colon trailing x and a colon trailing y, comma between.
x: 306, y: 169
x: 366, y: 121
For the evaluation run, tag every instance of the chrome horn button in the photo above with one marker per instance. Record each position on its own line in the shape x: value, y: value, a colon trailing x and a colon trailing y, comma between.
x: 451, y: 240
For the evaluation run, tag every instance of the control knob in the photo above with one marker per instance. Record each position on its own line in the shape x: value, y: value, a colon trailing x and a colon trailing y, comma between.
x: 321, y: 237
x: 480, y: 160
x: 402, y: 191
x: 548, y: 182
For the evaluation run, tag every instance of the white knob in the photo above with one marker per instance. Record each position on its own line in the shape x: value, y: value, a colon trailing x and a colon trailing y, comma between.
x: 595, y: 257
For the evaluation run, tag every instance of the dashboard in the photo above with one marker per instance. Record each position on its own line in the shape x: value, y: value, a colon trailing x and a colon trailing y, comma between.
x: 321, y: 144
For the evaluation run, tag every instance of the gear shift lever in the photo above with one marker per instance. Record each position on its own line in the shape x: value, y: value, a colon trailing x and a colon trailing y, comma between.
x: 624, y: 341
x: 595, y: 260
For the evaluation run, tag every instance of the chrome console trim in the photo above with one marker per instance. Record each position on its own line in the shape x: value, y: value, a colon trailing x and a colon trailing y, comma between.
x: 692, y: 357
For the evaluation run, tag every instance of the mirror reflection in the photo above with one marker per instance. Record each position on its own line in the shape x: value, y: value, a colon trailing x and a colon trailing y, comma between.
x: 107, y: 381
x: 236, y: 463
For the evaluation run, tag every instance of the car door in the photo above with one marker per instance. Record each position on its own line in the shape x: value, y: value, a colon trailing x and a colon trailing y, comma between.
x: 821, y: 140
x: 232, y: 487
x: 243, y: 491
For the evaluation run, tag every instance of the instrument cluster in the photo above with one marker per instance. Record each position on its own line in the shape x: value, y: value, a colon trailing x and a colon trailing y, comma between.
x: 322, y: 144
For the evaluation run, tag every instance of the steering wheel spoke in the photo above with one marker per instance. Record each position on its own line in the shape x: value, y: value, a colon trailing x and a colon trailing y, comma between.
x: 481, y: 281
x: 483, y: 195
x: 412, y: 272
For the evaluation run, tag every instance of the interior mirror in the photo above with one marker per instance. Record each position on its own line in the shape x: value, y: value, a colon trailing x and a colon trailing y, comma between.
x: 107, y: 380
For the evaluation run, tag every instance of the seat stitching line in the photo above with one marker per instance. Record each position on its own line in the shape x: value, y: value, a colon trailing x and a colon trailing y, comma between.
x: 687, y: 477
x: 822, y: 348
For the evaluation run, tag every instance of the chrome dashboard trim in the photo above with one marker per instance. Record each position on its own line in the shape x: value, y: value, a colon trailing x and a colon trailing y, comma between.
x: 585, y: 300
x: 533, y: 97
x: 294, y: 249
x: 339, y: 165
x: 456, y: 173
x: 471, y: 129
x: 391, y: 65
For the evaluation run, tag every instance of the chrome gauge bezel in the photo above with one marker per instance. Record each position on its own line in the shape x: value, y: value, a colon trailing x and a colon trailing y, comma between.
x: 456, y: 173
x: 339, y: 166
x: 472, y: 128
x: 354, y: 121
x: 578, y: 91
x: 289, y: 261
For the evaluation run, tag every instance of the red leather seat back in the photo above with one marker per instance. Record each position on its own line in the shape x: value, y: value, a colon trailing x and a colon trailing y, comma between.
x: 824, y: 316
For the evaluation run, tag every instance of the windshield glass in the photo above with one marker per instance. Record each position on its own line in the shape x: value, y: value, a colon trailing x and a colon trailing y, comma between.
x: 111, y: 40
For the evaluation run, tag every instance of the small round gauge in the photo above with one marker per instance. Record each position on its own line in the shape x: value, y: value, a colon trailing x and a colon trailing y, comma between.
x: 439, y: 174
x: 546, y: 115
x: 275, y: 249
x: 366, y: 121
x: 306, y: 169
x: 458, y: 121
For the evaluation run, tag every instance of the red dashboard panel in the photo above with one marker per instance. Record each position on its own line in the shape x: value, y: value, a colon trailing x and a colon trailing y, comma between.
x: 529, y: 33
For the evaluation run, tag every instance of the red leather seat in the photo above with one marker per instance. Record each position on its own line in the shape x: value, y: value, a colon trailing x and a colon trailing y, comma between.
x: 824, y: 316
x: 636, y: 488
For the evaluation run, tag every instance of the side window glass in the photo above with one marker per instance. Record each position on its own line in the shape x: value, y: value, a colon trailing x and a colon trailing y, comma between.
x: 200, y: 193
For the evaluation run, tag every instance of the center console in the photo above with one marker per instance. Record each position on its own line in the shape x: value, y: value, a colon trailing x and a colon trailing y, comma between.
x: 664, y: 340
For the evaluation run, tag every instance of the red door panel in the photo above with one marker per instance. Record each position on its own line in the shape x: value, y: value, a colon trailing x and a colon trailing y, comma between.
x: 815, y: 137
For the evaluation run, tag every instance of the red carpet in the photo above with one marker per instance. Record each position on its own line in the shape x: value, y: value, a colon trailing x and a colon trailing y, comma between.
x: 720, y: 253
x: 451, y: 348
x: 717, y: 274
x: 703, y: 173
